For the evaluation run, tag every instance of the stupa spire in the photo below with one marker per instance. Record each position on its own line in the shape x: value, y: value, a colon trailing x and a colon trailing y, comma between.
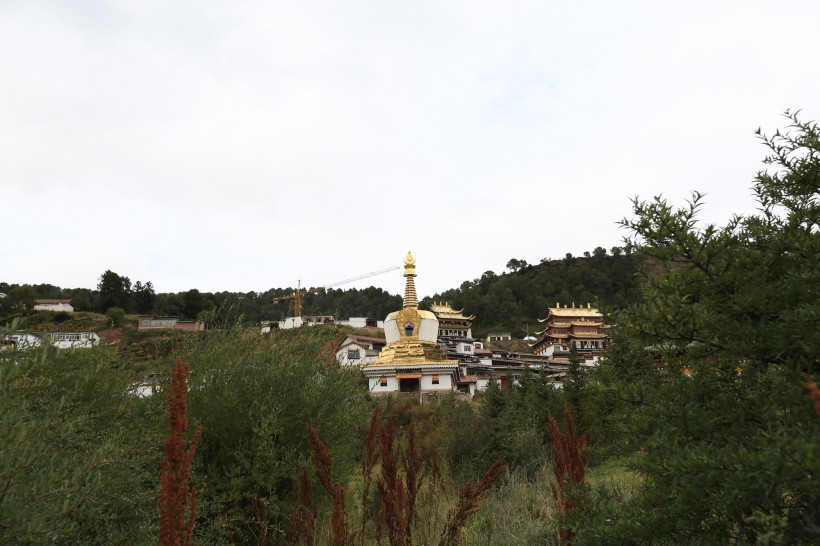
x: 410, y: 298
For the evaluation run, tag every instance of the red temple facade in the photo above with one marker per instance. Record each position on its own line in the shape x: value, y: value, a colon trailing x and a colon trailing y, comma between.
x: 566, y: 327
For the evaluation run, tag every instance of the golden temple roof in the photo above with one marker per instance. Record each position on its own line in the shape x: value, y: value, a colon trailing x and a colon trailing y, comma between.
x: 573, y: 312
x: 410, y: 353
x: 444, y: 311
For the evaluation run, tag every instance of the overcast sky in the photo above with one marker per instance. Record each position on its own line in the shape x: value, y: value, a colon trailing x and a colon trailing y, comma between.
x: 244, y: 145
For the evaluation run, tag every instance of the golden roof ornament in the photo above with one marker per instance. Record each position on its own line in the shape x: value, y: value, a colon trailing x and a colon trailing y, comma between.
x: 410, y: 299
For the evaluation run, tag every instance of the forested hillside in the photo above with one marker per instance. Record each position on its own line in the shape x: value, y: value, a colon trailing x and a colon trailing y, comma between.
x: 514, y: 301
x: 510, y: 301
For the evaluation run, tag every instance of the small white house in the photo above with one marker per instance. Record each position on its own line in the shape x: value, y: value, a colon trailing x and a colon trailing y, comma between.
x: 362, y: 322
x: 54, y: 305
x: 464, y: 347
x: 61, y: 340
x: 295, y: 322
x: 356, y: 350
x: 21, y: 341
x: 499, y: 336
x: 74, y: 340
x: 485, y: 356
x: 150, y: 322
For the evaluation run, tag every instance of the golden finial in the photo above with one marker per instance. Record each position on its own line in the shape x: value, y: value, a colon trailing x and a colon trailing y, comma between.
x: 410, y: 299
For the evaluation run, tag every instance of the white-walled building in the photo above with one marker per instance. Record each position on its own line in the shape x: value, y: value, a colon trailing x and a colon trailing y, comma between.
x: 21, y: 341
x: 452, y: 323
x: 53, y: 305
x: 355, y: 350
x: 74, y: 340
x: 295, y: 322
x: 150, y: 322
x: 362, y: 322
x: 61, y: 340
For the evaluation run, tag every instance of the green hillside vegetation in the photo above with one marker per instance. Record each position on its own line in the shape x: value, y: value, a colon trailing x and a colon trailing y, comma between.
x: 699, y: 426
x: 512, y: 301
x: 48, y: 321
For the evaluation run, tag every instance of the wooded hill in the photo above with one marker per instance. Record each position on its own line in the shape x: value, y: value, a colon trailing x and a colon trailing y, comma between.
x: 514, y: 301
x: 511, y: 301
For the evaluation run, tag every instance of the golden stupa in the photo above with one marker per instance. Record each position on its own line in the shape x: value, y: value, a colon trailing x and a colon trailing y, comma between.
x: 411, y: 333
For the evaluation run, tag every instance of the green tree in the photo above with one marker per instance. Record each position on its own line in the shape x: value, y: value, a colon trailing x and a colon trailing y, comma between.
x: 728, y: 437
x: 144, y: 297
x: 253, y: 397
x: 22, y: 297
x: 115, y: 291
x: 117, y: 315
x: 193, y: 303
x: 516, y: 265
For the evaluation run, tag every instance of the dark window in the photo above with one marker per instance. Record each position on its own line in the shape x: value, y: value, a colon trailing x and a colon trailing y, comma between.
x: 435, y: 380
x: 408, y: 329
x: 353, y: 354
x: 383, y: 382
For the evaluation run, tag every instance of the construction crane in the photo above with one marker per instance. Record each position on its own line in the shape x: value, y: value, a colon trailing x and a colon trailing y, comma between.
x: 299, y: 293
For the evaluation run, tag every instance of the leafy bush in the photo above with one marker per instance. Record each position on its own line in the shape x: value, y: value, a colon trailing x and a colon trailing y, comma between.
x: 253, y: 398
x: 116, y: 314
x: 61, y: 317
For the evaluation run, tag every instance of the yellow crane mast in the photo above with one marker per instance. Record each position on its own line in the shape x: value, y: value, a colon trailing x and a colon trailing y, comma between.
x: 299, y: 293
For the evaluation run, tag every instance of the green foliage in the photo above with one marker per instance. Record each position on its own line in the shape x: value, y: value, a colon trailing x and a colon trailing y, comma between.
x: 76, y: 455
x: 144, y: 297
x: 741, y: 290
x: 253, y: 398
x: 61, y: 317
x: 67, y: 322
x: 117, y: 315
x: 719, y: 450
x: 80, y: 455
x: 193, y: 303
x: 512, y: 301
x: 729, y: 451
x: 115, y: 291
x: 516, y: 265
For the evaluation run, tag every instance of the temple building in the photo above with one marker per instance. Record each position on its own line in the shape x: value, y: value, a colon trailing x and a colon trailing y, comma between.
x: 452, y: 323
x: 580, y: 327
x: 455, y: 335
x: 412, y: 362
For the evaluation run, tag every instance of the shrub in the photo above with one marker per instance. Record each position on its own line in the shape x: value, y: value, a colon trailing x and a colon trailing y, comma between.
x: 117, y: 315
